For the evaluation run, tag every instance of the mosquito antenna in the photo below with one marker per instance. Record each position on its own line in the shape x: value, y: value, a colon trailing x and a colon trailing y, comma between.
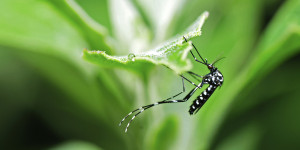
x: 218, y: 60
x: 205, y: 62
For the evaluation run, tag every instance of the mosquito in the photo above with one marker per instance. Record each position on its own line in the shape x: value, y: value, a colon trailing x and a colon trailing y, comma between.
x: 214, y: 79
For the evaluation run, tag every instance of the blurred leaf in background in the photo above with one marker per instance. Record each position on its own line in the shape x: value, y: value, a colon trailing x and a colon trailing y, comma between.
x: 51, y: 98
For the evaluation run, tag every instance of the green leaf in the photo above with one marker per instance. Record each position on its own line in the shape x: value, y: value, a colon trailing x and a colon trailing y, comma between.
x: 171, y: 54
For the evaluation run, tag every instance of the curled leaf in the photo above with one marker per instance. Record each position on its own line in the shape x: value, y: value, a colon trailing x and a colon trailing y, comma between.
x: 171, y: 54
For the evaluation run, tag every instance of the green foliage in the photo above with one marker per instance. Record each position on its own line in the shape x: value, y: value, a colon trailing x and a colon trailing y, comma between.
x: 171, y: 54
x: 52, y: 98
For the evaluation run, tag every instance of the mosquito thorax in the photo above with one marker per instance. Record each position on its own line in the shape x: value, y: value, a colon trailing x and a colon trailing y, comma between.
x: 211, y: 67
x: 217, y: 78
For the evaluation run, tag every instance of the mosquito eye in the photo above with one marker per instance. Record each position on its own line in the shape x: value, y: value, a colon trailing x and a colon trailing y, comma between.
x: 209, y: 66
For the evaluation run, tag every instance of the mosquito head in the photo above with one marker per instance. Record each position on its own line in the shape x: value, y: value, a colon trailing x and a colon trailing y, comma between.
x: 211, y: 67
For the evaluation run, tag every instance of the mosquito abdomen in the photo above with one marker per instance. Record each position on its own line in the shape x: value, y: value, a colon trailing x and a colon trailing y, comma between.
x: 201, y: 99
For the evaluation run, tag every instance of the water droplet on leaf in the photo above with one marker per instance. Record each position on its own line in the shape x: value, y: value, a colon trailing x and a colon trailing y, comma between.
x: 131, y: 56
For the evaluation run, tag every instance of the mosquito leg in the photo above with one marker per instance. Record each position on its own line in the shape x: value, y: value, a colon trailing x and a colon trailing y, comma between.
x: 194, y: 55
x: 183, y: 90
x: 189, y: 81
x: 133, y: 118
x: 189, y: 72
x: 130, y: 114
x: 151, y: 105
x: 194, y: 75
x: 143, y: 108
x: 187, y: 97
x: 205, y: 63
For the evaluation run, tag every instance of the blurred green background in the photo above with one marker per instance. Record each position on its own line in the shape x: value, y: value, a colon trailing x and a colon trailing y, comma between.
x: 50, y: 98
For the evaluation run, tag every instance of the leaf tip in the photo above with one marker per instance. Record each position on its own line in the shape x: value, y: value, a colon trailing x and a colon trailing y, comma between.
x: 205, y: 14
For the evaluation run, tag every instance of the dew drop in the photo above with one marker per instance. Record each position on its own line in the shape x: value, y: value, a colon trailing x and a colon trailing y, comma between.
x: 131, y: 56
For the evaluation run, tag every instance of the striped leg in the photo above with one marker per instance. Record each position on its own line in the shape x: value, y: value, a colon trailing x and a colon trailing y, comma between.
x: 163, y: 102
x: 190, y: 81
x: 151, y: 105
x: 204, y: 62
x: 194, y: 75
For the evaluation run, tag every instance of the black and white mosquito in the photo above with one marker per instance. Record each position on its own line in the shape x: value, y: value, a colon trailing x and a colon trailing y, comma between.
x: 214, y: 79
